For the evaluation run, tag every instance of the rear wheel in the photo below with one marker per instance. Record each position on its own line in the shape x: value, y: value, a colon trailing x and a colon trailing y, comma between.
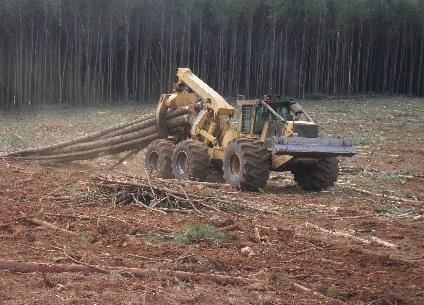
x: 319, y: 176
x: 158, y: 161
x: 190, y: 160
x: 246, y: 165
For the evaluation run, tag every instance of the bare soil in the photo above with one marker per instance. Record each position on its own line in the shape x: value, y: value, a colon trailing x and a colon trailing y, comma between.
x: 389, y: 136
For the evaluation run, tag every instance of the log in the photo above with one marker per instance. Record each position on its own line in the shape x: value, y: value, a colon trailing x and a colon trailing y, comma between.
x: 394, y: 198
x: 135, y: 127
x: 76, y: 140
x: 350, y: 236
x: 48, y: 225
x: 146, y: 131
x: 23, y: 267
x: 383, y: 242
x: 216, y: 278
x: 31, y: 267
x: 92, y: 154
x: 105, y: 150
x: 123, y: 129
x: 301, y: 287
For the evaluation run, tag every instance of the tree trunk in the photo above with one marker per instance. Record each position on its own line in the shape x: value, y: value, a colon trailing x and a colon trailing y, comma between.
x: 29, y: 267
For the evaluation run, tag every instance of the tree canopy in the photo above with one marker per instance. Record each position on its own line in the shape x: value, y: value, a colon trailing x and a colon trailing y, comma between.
x: 105, y: 51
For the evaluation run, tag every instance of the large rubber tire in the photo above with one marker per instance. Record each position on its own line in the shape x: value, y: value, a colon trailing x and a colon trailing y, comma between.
x: 246, y: 165
x: 318, y: 177
x: 158, y: 160
x: 190, y: 160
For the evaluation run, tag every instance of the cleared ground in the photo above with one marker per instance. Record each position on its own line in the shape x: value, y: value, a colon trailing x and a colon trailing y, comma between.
x: 380, y: 195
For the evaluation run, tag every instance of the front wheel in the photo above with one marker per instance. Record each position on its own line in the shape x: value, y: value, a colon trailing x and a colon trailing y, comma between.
x: 246, y: 165
x: 319, y: 176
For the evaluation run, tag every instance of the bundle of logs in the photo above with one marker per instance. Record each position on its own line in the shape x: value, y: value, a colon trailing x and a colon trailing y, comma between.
x: 131, y: 136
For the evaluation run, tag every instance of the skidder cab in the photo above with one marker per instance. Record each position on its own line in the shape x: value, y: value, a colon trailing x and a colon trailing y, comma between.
x: 292, y: 140
x: 271, y: 135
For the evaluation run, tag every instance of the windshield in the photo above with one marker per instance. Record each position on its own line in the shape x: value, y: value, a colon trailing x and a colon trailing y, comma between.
x: 263, y: 115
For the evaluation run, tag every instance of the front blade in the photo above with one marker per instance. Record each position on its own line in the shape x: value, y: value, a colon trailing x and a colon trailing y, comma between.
x: 314, y: 147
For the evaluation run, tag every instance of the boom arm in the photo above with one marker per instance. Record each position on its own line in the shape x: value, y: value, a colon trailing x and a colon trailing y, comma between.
x: 208, y: 120
x: 216, y: 102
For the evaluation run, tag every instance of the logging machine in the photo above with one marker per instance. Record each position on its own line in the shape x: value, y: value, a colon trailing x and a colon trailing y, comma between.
x: 261, y: 135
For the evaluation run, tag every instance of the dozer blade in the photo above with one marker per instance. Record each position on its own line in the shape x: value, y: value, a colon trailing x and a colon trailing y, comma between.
x: 314, y: 147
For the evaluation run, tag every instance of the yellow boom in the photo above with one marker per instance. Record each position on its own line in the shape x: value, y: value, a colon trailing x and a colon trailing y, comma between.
x: 190, y: 89
x: 215, y: 101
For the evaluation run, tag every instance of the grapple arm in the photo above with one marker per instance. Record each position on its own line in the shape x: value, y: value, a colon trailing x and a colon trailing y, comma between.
x: 188, y: 90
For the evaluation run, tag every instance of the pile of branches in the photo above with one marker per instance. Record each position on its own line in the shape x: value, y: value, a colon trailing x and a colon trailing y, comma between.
x: 131, y: 136
x: 159, y: 195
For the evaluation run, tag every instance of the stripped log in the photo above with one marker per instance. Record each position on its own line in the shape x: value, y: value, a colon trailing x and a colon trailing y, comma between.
x: 384, y: 196
x: 151, y: 121
x: 111, y: 145
x: 111, y: 136
x: 92, y: 154
x: 23, y: 267
x: 303, y: 288
x: 30, y: 267
x: 48, y: 225
x: 146, y: 131
x: 352, y: 237
x: 82, y: 139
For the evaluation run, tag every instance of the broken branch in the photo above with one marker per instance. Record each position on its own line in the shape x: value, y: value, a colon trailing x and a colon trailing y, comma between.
x: 48, y: 225
x: 350, y: 236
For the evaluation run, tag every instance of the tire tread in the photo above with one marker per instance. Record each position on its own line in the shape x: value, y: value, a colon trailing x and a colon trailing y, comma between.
x: 255, y: 172
x: 165, y: 149
x: 321, y: 176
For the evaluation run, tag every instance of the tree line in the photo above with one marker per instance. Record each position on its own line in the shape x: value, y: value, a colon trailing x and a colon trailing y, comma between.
x: 82, y: 52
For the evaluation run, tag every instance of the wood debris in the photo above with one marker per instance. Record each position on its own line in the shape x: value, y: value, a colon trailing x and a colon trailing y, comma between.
x: 369, y: 241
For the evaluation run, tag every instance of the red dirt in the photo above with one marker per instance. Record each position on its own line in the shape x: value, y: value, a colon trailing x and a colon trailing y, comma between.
x: 337, y: 269
x: 288, y: 254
